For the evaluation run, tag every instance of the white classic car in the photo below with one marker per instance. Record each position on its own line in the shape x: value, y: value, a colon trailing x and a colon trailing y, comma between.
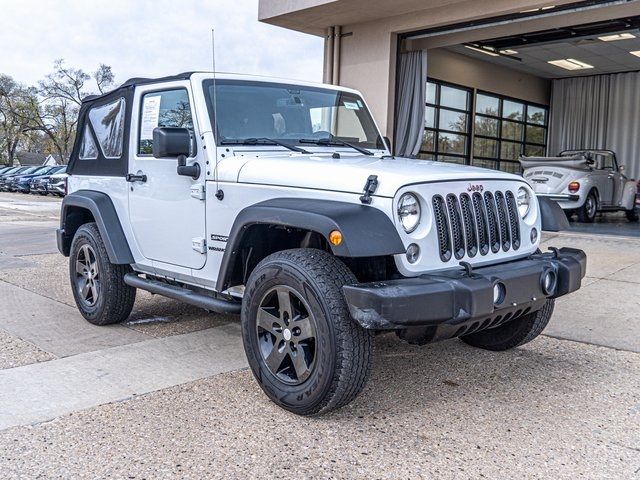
x: 583, y: 182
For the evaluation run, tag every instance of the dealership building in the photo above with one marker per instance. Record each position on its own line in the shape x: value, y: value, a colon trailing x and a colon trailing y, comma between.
x: 482, y: 82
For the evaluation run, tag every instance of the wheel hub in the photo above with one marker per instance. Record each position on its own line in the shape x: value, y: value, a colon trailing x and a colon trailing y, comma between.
x: 87, y: 276
x: 286, y: 332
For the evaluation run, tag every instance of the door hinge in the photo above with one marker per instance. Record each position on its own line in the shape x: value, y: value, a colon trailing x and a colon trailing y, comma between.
x: 199, y: 244
x: 198, y: 191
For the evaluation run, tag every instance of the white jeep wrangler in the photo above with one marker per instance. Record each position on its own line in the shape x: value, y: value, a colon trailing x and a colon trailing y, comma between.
x: 280, y: 201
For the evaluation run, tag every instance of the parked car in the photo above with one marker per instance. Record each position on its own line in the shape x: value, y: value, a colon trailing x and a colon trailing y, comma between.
x: 291, y: 211
x: 5, y: 169
x: 58, y: 183
x: 583, y: 182
x: 7, y: 177
x: 22, y: 183
x: 40, y: 183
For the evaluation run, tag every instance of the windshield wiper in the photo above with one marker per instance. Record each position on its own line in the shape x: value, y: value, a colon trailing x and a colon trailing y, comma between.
x: 335, y: 141
x: 263, y: 141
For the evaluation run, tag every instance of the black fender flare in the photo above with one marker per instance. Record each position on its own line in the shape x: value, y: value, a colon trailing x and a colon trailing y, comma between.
x: 552, y: 216
x: 106, y: 218
x: 366, y: 231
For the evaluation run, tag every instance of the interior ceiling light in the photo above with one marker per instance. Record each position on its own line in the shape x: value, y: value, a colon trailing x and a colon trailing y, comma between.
x: 484, y: 50
x: 549, y: 7
x: 636, y: 53
x: 509, y: 51
x: 570, y: 64
x: 617, y: 36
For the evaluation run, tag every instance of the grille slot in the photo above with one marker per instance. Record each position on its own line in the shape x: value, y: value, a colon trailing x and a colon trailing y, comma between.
x: 453, y: 208
x: 442, y: 226
x: 503, y: 221
x: 469, y: 224
x: 470, y: 227
x: 492, y: 222
x: 481, y: 219
x: 512, y: 207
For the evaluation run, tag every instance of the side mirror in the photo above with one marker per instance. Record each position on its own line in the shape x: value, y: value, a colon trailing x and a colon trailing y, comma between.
x: 621, y: 168
x: 169, y: 142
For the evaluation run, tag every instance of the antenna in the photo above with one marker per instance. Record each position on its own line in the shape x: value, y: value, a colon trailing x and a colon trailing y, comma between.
x: 219, y: 193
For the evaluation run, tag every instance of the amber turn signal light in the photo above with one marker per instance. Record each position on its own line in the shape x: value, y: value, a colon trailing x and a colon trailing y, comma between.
x: 574, y: 187
x: 335, y: 237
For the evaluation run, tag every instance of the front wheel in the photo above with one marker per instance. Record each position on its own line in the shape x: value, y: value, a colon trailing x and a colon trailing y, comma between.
x: 305, y: 351
x: 98, y: 285
x: 513, y: 333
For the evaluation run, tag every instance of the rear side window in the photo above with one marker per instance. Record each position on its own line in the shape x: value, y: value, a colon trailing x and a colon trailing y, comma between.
x: 168, y: 108
x: 88, y: 150
x: 108, y: 124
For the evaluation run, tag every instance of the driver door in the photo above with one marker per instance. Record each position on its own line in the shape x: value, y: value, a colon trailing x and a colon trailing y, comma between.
x: 167, y: 219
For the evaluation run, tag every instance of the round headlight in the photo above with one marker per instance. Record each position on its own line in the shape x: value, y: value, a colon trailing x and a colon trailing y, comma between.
x: 524, y: 201
x: 409, y: 212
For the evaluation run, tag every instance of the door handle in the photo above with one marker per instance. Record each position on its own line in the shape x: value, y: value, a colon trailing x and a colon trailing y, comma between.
x: 136, y: 178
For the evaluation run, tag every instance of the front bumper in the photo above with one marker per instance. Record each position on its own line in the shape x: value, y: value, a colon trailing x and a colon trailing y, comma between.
x: 457, y: 300
x: 58, y: 188
x: 560, y: 197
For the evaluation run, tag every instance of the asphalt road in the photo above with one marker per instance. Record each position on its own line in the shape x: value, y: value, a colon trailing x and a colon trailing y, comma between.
x: 167, y: 394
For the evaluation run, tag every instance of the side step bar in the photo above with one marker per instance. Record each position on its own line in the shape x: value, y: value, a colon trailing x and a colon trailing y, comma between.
x: 182, y: 294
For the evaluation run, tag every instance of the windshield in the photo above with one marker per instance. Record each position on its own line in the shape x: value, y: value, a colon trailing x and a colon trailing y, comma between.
x: 288, y: 113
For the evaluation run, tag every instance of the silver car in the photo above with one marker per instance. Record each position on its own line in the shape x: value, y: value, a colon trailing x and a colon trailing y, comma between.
x: 583, y: 182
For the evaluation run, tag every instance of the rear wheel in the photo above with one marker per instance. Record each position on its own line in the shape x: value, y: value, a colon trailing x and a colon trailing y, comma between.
x: 98, y: 285
x: 587, y: 213
x: 305, y: 351
x: 514, y: 333
x: 632, y: 215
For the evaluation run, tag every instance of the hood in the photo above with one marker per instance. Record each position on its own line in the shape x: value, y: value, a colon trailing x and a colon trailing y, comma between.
x: 350, y: 172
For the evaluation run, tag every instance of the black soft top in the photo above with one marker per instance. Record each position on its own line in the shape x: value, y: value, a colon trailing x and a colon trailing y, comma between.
x: 101, y: 166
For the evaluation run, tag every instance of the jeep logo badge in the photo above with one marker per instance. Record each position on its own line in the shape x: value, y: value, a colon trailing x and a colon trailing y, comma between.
x: 475, y: 188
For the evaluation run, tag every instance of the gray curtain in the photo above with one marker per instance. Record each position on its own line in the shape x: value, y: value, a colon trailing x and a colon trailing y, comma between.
x: 410, y: 103
x: 598, y: 112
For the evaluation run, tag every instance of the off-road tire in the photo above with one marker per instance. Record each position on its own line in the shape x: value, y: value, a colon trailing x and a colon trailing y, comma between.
x: 584, y: 215
x: 115, y: 298
x: 632, y: 215
x: 343, y: 353
x: 513, y: 333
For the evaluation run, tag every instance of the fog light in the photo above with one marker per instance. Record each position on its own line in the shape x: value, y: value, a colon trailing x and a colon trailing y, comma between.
x: 534, y: 235
x: 548, y: 282
x: 498, y: 293
x: 413, y: 252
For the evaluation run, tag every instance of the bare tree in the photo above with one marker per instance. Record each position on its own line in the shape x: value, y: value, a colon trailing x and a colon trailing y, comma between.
x: 14, y: 117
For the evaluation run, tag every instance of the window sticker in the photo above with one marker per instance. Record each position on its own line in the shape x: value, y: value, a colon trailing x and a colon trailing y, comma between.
x: 351, y: 105
x: 150, y: 116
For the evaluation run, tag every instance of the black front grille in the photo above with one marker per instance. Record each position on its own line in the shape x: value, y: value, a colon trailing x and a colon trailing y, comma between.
x: 476, y: 224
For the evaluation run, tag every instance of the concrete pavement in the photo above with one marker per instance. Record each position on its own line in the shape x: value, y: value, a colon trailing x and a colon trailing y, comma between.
x: 150, y: 399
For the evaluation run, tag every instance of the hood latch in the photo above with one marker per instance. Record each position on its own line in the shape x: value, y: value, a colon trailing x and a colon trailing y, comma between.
x: 369, y: 189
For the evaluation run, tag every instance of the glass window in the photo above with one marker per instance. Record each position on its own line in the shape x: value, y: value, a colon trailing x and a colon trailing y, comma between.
x: 535, y: 134
x: 451, y: 120
x: 447, y: 123
x: 454, y: 97
x: 431, y: 93
x: 88, y: 150
x: 512, y: 131
x: 169, y: 108
x: 512, y: 110
x: 506, y: 128
x: 430, y: 117
x: 487, y: 105
x: 485, y: 147
x: 537, y: 115
x: 108, y: 124
x: 486, y: 126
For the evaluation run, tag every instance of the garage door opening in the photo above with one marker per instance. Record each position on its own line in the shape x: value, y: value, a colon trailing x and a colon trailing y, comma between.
x: 570, y: 91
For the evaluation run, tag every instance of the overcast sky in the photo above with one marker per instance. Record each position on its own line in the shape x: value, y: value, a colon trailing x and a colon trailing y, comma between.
x: 147, y: 38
